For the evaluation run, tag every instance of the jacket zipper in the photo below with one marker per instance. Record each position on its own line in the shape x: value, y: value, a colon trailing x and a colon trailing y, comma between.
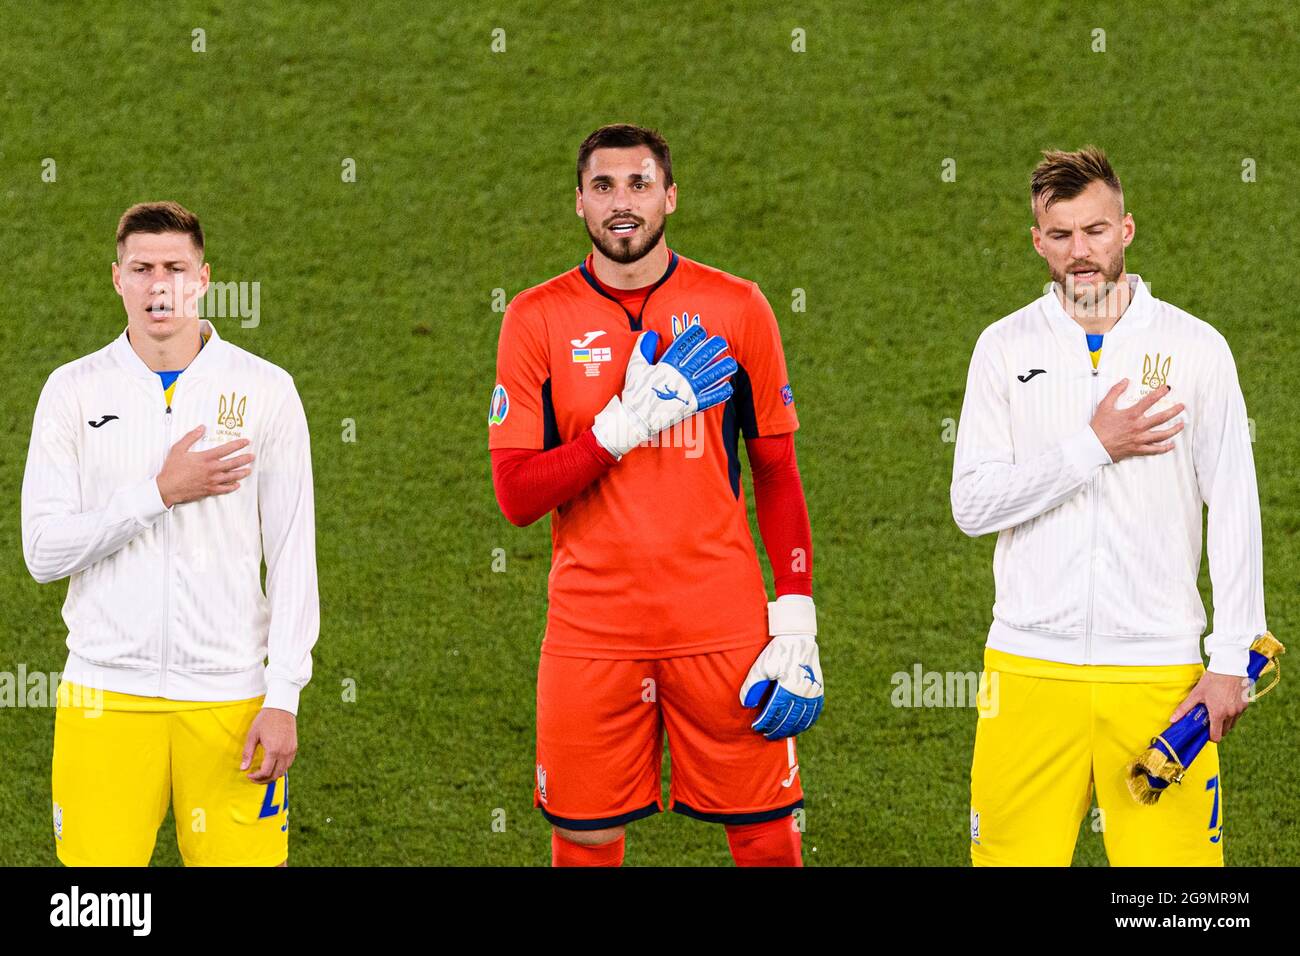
x: 1093, y: 490
x: 167, y: 569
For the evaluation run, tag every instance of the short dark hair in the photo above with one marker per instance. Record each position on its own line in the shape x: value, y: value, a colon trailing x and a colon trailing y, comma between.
x: 156, y: 217
x: 1064, y: 175
x: 621, y: 136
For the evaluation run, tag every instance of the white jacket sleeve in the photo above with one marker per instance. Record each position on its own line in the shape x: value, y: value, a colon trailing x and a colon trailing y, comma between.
x: 286, y: 501
x: 990, y: 490
x: 59, y: 538
x: 1225, y: 474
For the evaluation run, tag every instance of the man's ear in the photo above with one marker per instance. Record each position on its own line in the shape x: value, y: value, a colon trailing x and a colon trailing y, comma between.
x: 670, y: 199
x: 205, y: 276
x: 1130, y: 229
x: 577, y: 200
x: 117, y: 278
x: 1038, y: 241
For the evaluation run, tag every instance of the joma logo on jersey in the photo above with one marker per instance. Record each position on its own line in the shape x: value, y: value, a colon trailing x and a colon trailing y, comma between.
x: 683, y: 322
x: 1153, y: 374
x: 230, y: 415
x: 541, y: 782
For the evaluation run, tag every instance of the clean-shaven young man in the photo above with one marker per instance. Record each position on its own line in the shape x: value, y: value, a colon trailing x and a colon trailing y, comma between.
x: 658, y: 620
x: 163, y: 469
x: 1098, y: 423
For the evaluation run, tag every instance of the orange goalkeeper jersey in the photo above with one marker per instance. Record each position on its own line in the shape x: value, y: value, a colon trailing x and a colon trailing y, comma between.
x: 655, y: 558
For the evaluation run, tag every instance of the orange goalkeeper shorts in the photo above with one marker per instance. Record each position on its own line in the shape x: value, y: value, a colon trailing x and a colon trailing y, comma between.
x: 600, y: 733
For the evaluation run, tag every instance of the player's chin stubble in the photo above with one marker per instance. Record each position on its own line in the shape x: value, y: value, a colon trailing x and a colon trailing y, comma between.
x: 1110, y: 273
x: 625, y: 250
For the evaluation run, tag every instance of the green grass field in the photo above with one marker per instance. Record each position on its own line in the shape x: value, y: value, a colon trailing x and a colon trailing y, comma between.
x: 817, y: 171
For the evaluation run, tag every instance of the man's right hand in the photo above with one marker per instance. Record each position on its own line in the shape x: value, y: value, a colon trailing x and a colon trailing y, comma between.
x: 658, y: 395
x: 1126, y: 432
x: 189, y: 476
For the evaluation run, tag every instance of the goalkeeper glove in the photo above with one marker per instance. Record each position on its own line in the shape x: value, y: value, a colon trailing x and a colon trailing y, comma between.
x: 658, y: 395
x: 788, y: 671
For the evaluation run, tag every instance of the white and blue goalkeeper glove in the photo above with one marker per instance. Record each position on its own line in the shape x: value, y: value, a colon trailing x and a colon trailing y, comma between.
x: 658, y: 395
x: 787, y: 677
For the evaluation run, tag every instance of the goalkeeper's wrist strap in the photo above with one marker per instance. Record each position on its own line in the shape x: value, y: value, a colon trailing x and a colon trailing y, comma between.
x: 791, y: 614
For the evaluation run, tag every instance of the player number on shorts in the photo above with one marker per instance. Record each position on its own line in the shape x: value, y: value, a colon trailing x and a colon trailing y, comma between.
x: 269, y: 807
x: 1216, y: 828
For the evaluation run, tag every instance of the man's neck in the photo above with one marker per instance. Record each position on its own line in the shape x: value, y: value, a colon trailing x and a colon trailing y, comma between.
x: 631, y: 275
x: 168, y: 355
x: 1100, y: 316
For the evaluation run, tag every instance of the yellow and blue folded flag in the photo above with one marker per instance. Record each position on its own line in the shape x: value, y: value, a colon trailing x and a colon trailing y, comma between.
x: 1171, y: 753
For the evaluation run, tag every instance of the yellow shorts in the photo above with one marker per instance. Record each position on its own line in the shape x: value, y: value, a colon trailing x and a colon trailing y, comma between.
x: 120, y: 759
x: 1050, y: 733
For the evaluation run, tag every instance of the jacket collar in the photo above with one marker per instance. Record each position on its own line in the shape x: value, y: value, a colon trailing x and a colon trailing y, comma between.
x: 1138, y: 315
x: 209, y: 358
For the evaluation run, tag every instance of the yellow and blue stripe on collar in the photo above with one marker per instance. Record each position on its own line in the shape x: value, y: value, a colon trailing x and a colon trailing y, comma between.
x: 169, y: 378
x: 1094, y: 348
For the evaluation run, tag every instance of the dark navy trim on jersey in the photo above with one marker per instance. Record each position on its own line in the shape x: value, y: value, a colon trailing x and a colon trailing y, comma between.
x: 550, y: 430
x: 743, y: 395
x: 730, y: 443
x: 737, y: 819
x: 738, y: 417
x: 633, y: 323
x: 603, y: 822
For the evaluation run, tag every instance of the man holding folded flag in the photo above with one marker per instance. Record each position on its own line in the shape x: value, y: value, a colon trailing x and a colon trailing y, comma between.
x: 1099, y: 423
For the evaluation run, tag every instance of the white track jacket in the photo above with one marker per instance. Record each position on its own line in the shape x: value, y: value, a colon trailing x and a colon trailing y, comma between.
x: 1096, y: 562
x: 168, y: 602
